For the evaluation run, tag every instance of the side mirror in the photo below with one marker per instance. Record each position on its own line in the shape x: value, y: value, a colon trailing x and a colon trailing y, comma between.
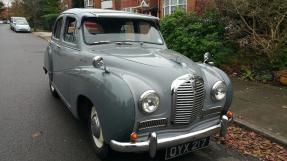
x: 206, y: 59
x: 98, y: 62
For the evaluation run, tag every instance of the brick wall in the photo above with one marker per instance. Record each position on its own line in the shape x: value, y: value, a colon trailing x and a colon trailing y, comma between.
x: 66, y: 4
x: 4, y: 14
x: 97, y: 3
x: 191, y: 5
x: 129, y: 3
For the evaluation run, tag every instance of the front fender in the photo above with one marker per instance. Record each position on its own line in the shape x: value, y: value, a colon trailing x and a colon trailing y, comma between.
x: 213, y: 74
x: 229, y: 95
x: 112, y: 98
x: 48, y: 63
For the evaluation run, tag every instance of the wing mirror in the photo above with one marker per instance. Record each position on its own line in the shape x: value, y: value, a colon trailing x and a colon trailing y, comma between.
x: 207, y: 59
x: 98, y: 62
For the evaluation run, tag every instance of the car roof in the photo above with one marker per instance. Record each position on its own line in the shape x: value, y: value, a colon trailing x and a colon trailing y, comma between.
x: 90, y: 12
x: 19, y: 17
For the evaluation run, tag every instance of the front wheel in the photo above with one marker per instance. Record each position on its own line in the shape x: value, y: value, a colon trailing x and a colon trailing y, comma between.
x: 96, y: 134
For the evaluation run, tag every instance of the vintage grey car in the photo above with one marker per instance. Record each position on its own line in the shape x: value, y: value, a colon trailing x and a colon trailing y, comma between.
x: 114, y: 70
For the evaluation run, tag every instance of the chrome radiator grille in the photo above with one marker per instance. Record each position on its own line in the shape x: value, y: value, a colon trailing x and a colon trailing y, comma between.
x: 188, y: 100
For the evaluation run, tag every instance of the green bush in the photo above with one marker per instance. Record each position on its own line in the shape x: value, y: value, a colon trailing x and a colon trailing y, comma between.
x: 49, y: 20
x: 193, y: 35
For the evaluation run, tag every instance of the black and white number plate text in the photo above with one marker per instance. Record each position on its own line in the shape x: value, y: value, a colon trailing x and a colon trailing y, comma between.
x: 182, y: 149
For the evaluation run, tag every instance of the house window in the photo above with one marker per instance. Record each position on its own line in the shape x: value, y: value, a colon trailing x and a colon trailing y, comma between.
x: 170, y: 6
x: 129, y: 10
x: 89, y: 3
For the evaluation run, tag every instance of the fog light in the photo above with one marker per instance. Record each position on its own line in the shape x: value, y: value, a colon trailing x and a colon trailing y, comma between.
x: 134, y: 136
x: 229, y: 114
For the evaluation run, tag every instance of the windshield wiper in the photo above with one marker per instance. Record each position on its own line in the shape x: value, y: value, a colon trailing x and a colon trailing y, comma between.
x: 123, y: 43
x: 101, y: 42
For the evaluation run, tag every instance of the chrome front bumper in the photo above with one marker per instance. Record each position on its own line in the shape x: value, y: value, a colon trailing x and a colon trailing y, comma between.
x: 154, y: 143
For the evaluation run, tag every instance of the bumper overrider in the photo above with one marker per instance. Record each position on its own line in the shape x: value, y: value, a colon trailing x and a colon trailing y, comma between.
x: 154, y: 143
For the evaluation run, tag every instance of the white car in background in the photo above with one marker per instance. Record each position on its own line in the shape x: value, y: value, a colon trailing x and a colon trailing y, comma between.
x: 14, y: 20
x: 22, y: 26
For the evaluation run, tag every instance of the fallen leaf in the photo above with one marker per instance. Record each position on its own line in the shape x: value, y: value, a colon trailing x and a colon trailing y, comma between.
x: 251, y: 143
x: 37, y: 134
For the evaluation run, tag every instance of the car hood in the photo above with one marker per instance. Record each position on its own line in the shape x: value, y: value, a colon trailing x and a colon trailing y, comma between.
x: 152, y: 69
x: 23, y: 26
x: 150, y: 63
x: 144, y: 68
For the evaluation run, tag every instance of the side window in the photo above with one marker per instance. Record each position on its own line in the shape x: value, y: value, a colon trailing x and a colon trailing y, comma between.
x: 70, y: 30
x: 57, y: 28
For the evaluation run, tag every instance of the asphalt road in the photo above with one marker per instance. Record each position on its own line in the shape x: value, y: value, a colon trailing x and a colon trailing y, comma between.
x: 34, y: 126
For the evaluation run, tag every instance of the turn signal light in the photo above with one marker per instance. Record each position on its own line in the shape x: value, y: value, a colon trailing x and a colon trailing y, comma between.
x: 229, y: 114
x: 134, y: 136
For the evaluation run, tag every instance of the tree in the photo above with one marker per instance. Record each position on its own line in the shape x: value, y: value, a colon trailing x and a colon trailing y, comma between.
x: 1, y: 6
x: 49, y: 7
x: 260, y: 27
x: 17, y: 8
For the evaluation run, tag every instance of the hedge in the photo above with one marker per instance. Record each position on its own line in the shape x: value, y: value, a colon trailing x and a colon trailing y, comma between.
x: 48, y: 21
x: 193, y: 35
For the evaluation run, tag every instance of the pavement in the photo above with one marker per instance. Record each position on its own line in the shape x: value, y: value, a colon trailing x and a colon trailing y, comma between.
x: 43, y: 35
x: 36, y: 126
x: 258, y: 107
x: 261, y: 108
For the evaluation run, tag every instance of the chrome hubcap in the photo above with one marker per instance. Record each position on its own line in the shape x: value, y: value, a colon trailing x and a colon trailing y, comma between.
x: 95, y: 125
x: 96, y: 129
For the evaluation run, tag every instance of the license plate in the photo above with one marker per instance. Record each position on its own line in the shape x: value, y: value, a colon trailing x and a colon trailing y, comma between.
x: 185, y: 148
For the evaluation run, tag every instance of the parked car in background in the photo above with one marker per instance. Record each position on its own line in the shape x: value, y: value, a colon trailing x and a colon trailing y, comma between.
x: 14, y: 20
x: 22, y: 26
x: 113, y: 69
x: 1, y: 22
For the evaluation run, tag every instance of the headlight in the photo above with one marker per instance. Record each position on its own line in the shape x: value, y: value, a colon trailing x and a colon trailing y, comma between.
x: 218, y: 91
x: 149, y: 101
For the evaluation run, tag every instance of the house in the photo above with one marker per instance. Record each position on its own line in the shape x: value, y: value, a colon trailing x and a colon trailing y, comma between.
x: 4, y: 13
x: 159, y: 8
x: 66, y: 4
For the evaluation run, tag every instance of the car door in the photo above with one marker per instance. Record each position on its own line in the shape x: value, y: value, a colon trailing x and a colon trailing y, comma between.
x: 68, y: 57
x: 57, y: 58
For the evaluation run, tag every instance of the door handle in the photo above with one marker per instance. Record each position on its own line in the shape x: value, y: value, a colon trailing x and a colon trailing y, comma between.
x: 58, y: 46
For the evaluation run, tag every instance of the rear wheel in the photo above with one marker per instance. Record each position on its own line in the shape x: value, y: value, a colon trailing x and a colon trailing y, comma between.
x: 96, y: 134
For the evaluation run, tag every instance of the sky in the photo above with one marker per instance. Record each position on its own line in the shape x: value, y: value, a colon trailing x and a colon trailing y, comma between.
x: 6, y: 1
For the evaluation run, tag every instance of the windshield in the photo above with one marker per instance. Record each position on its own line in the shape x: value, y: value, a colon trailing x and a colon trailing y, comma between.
x: 21, y: 23
x: 97, y: 30
x: 19, y: 19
